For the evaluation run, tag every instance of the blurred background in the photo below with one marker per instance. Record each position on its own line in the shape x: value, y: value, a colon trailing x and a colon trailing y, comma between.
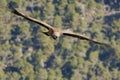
x: 27, y: 54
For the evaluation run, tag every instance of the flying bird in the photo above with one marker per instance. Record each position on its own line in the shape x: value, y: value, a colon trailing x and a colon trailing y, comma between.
x: 52, y: 31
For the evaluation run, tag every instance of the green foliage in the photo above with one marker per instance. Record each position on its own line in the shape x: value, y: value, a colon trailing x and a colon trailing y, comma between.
x: 2, y: 74
x: 76, y: 21
x: 42, y: 74
x: 57, y: 21
x: 66, y: 44
x: 51, y: 74
x: 27, y: 54
x: 94, y: 57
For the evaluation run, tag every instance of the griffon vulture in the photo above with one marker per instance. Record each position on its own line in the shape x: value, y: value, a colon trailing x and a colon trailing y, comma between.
x: 54, y: 32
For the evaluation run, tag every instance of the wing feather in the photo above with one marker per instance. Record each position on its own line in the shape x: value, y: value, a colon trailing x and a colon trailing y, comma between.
x: 13, y: 10
x: 82, y: 37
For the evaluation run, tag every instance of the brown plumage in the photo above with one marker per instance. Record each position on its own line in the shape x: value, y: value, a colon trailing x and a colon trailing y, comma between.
x: 54, y: 32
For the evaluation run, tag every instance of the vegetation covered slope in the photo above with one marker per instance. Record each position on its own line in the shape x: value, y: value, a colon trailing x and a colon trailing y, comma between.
x: 27, y: 54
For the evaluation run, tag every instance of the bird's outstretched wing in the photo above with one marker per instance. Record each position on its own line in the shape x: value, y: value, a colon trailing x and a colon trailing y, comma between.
x: 68, y: 33
x: 13, y: 10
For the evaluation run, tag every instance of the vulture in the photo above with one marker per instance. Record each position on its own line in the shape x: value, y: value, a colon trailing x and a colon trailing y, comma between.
x: 55, y: 32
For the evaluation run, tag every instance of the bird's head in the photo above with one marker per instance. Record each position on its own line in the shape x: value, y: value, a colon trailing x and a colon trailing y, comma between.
x: 56, y: 35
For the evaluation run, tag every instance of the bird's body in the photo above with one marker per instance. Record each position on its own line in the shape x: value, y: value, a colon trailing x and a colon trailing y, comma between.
x: 52, y: 31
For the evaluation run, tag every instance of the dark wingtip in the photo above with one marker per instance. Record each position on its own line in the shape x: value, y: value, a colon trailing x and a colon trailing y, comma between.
x: 12, y: 5
x: 106, y: 44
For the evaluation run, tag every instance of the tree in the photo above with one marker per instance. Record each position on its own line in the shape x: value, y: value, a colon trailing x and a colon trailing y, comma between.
x: 2, y: 74
x: 41, y: 74
x: 27, y: 54
x: 57, y: 22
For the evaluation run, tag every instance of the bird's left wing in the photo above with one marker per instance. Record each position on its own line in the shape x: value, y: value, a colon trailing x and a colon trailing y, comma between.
x: 13, y: 10
x: 83, y: 37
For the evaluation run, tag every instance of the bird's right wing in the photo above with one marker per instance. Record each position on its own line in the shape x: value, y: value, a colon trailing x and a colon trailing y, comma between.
x: 83, y: 37
x: 13, y: 10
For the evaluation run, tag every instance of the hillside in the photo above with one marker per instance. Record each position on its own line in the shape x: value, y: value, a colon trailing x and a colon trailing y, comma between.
x: 27, y: 54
